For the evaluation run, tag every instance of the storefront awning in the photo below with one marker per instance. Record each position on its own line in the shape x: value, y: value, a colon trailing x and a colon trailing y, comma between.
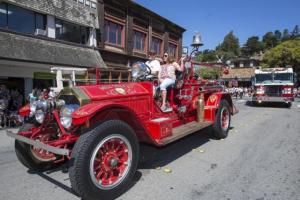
x: 47, y: 51
x: 43, y: 75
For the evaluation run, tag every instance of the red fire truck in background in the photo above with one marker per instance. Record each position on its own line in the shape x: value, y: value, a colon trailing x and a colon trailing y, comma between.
x: 273, y: 85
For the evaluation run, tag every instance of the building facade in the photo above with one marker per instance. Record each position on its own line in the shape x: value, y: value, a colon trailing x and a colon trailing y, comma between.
x: 39, y: 34
x: 36, y: 35
x: 241, y: 70
x: 128, y: 31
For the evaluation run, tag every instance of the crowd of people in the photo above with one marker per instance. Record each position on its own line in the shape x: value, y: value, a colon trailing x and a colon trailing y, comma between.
x: 240, y: 92
x: 12, y: 99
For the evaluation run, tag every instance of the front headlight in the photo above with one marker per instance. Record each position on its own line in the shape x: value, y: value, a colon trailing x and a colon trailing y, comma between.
x: 66, y: 115
x: 36, y: 105
x: 66, y: 121
x: 33, y: 107
x: 287, y: 91
x: 39, y: 116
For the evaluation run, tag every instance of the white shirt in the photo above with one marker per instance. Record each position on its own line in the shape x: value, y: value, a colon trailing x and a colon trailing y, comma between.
x: 154, y: 66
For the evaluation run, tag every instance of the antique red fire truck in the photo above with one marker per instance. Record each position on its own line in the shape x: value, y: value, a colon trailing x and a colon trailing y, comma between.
x: 273, y: 85
x: 99, y: 127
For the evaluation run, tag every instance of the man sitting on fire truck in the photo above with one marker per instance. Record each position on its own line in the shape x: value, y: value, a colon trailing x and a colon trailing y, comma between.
x: 153, y: 63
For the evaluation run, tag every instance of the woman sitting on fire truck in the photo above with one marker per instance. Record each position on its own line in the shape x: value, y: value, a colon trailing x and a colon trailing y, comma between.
x: 167, y: 77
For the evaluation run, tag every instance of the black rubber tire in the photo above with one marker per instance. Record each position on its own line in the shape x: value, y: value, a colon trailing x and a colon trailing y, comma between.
x: 218, y: 132
x: 289, y: 105
x: 25, y: 156
x: 80, y: 178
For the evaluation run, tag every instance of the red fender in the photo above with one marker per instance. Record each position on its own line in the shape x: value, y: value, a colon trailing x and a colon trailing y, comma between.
x: 214, y: 100
x: 88, y: 111
x: 25, y: 110
x: 213, y: 103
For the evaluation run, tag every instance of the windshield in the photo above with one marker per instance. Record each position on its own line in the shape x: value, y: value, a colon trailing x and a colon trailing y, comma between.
x: 263, y: 78
x: 283, y: 77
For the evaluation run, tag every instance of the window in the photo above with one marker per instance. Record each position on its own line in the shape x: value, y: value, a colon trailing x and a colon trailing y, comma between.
x: 156, y: 45
x: 71, y: 32
x: 172, y: 50
x: 3, y: 15
x: 139, y: 41
x: 113, y: 33
x: 40, y: 21
x: 21, y: 20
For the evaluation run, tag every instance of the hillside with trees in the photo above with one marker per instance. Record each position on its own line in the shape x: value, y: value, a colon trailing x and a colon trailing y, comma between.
x: 278, y: 49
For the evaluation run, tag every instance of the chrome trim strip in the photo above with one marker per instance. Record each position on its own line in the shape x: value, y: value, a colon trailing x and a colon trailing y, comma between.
x: 37, y: 144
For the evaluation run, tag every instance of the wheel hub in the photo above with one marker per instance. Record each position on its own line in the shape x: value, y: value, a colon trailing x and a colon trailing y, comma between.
x: 225, y: 119
x: 113, y: 162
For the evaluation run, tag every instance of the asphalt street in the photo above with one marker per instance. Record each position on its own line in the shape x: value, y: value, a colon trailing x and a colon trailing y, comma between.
x: 259, y: 160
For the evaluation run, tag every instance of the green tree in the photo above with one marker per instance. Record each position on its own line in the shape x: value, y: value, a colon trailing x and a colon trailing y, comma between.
x: 285, y: 54
x: 208, y: 73
x: 285, y: 35
x: 252, y: 46
x: 229, y: 48
x: 207, y: 56
x: 278, y: 35
x: 295, y: 33
x: 269, y: 40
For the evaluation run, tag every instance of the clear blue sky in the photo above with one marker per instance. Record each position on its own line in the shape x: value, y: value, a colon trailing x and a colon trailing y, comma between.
x: 215, y: 18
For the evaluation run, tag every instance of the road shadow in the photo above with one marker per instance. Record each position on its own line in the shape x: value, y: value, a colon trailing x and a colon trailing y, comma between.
x: 150, y: 158
x: 268, y: 105
x: 64, y: 169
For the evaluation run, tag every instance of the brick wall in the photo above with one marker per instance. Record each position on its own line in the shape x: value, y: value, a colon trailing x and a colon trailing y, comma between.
x: 69, y: 10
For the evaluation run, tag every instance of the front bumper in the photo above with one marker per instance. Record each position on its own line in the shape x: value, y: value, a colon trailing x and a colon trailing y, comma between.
x: 261, y: 99
x: 37, y: 144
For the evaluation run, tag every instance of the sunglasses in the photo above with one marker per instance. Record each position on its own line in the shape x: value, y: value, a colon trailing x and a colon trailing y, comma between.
x: 165, y: 55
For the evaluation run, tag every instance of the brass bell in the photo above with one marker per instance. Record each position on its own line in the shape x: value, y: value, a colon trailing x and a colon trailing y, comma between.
x: 197, y: 41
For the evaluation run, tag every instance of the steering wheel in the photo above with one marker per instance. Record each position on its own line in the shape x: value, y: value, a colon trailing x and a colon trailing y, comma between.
x: 148, y: 70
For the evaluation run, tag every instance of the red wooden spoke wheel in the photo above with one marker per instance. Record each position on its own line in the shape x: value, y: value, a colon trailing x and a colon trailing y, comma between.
x: 225, y: 118
x: 110, y: 161
x: 41, y: 154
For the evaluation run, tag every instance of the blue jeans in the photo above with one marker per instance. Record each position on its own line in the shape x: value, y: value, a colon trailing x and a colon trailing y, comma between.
x: 166, y: 83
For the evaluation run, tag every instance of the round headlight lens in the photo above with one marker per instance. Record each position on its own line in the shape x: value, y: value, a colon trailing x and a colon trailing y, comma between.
x: 66, y: 121
x: 33, y: 107
x: 66, y: 114
x: 39, y: 116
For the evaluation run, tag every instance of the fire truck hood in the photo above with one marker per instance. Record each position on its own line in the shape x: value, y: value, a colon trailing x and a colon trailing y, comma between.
x: 114, y: 91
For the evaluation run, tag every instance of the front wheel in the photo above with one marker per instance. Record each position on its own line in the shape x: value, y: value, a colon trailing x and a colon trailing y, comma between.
x: 289, y: 105
x: 31, y: 157
x: 222, y: 120
x: 104, y: 161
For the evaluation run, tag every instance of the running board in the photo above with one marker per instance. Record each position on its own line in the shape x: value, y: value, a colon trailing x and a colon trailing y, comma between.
x: 184, y: 130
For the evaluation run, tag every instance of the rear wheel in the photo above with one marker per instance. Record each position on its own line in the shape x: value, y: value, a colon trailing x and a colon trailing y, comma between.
x: 31, y: 157
x: 222, y: 120
x: 104, y: 161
